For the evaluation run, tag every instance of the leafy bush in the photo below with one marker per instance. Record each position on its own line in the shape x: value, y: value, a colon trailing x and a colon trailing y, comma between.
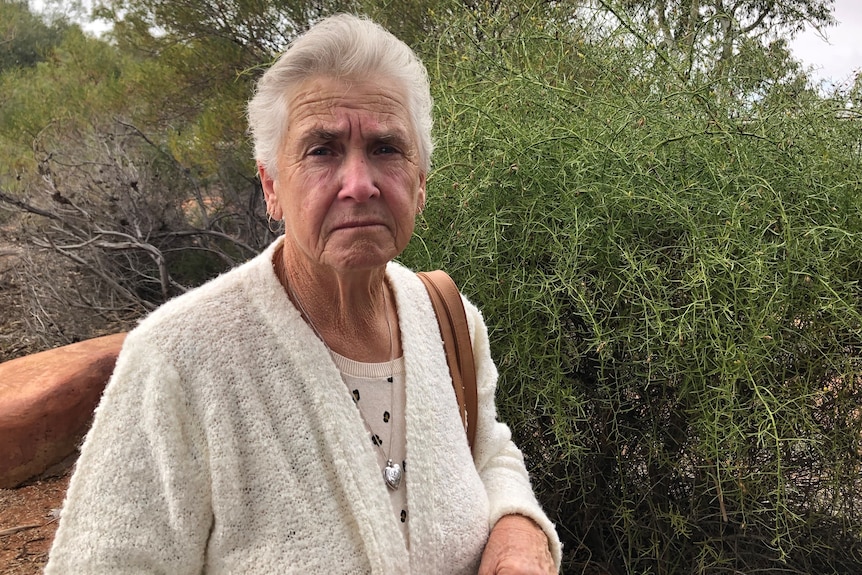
x: 673, y: 295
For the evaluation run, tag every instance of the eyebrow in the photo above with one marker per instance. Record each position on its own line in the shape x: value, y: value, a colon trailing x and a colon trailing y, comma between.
x: 321, y: 134
x: 395, y: 136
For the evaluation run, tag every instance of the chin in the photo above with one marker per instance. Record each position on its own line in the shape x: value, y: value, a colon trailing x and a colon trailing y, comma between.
x: 363, y: 259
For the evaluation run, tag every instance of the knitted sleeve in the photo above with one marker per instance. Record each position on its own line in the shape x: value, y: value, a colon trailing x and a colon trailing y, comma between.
x: 499, y: 462
x: 139, y: 500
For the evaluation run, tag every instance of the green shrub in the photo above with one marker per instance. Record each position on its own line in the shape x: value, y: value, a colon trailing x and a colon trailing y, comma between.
x: 674, y: 303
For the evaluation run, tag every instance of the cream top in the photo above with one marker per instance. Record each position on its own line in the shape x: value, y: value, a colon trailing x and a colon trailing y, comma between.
x: 378, y: 390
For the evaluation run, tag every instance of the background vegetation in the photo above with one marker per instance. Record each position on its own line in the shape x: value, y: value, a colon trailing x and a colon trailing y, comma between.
x: 658, y: 214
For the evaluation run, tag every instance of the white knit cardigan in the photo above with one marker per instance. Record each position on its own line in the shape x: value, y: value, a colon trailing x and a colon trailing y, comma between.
x: 226, y: 442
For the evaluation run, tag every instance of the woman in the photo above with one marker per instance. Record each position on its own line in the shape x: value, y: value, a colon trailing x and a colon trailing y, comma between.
x: 296, y: 414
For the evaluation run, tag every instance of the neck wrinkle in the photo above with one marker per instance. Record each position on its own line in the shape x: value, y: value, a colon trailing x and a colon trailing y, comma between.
x: 350, y: 314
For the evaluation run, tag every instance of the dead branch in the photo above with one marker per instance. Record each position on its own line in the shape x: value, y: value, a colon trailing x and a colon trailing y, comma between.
x: 47, y: 243
x: 13, y: 530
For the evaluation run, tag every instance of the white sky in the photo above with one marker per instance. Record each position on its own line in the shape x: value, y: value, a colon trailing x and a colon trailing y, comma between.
x: 839, y: 58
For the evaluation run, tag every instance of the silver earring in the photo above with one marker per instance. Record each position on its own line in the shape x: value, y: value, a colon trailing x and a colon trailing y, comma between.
x: 269, y: 221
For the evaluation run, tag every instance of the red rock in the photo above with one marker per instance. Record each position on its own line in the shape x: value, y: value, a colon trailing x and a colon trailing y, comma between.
x: 47, y: 401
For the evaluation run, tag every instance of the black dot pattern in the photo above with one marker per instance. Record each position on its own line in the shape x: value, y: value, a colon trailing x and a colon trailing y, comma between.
x: 373, y: 397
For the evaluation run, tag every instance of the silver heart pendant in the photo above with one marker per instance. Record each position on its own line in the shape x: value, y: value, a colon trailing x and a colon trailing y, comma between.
x: 392, y: 475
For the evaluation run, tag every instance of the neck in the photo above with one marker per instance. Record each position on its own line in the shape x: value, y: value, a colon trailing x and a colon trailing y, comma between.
x: 353, y: 313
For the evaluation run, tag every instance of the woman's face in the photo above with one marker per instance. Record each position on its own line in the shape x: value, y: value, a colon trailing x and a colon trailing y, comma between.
x: 349, y: 184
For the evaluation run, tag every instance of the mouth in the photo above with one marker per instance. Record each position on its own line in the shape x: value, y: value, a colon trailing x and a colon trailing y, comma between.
x: 358, y: 224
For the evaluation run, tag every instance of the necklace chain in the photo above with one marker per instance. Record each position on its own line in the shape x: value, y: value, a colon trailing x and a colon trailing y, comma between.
x: 392, y: 473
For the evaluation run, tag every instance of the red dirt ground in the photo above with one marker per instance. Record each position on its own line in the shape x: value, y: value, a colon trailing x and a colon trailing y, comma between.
x: 28, y: 522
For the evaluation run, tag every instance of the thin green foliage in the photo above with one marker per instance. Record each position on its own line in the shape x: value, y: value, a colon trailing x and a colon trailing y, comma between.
x: 674, y: 300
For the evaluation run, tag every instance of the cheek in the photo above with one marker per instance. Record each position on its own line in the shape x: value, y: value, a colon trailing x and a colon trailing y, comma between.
x: 307, y: 195
x: 408, y: 180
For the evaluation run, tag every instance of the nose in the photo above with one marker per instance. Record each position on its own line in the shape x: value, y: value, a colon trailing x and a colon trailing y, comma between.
x: 357, y: 178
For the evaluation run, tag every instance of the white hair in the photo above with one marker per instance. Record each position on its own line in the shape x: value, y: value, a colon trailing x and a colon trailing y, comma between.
x: 338, y: 46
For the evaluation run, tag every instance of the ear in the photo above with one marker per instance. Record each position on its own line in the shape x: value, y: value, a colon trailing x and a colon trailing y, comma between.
x: 420, y: 199
x: 273, y: 208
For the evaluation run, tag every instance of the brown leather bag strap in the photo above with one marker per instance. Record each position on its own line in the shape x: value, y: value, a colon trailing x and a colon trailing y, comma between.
x: 452, y: 319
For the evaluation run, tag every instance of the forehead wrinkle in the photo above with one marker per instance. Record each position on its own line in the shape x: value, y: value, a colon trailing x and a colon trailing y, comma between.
x: 325, y: 114
x: 387, y: 134
x: 378, y: 103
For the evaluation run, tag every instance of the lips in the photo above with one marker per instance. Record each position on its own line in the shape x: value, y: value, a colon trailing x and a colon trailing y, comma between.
x: 358, y: 224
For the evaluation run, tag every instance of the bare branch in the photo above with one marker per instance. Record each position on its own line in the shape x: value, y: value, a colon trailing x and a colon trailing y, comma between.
x: 47, y: 243
x: 20, y: 204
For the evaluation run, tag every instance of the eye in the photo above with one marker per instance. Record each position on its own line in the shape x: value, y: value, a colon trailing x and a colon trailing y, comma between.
x: 319, y: 151
x: 386, y: 149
